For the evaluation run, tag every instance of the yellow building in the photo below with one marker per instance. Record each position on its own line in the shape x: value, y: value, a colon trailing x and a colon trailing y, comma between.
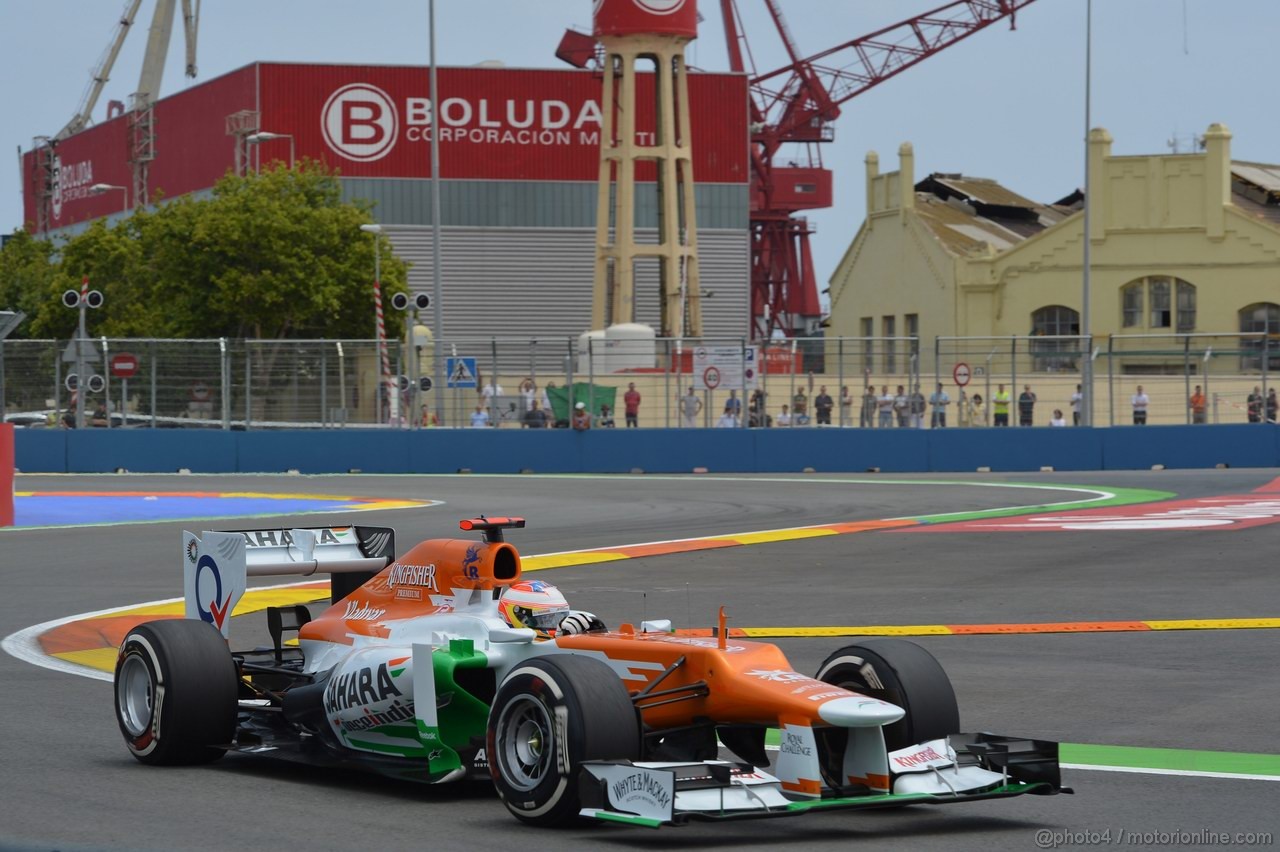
x: 1180, y: 243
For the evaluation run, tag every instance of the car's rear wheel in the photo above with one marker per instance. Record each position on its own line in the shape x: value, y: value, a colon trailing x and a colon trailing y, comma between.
x: 901, y: 673
x: 551, y: 714
x: 175, y: 692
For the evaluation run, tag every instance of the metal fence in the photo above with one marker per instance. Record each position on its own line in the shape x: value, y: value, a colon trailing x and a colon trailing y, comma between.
x: 868, y: 382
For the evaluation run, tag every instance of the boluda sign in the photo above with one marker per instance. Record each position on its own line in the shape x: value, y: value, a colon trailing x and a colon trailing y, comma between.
x: 492, y: 123
x: 361, y: 122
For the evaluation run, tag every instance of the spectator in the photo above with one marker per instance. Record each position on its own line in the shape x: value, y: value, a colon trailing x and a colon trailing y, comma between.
x: 1140, y: 401
x: 917, y: 408
x: 869, y: 404
x: 1271, y: 405
x: 631, y: 406
x: 728, y: 420
x: 490, y: 392
x: 581, y: 417
x: 822, y: 405
x: 479, y: 417
x: 1198, y: 406
x: 784, y: 418
x: 733, y: 404
x: 528, y: 393
x: 537, y: 417
x: 902, y: 406
x: 884, y: 405
x: 800, y: 407
x: 689, y: 406
x: 1058, y: 419
x: 1255, y: 406
x: 100, y: 416
x: 846, y: 406
x: 1026, y: 406
x: 1000, y: 406
x: 755, y: 408
x: 489, y: 395
x: 546, y: 398
x: 426, y: 418
x: 606, y: 418
x: 1077, y: 400
x: 977, y: 414
x: 939, y: 400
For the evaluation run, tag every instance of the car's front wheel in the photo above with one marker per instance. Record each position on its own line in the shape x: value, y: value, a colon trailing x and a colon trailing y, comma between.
x: 176, y: 688
x: 901, y: 673
x: 551, y: 714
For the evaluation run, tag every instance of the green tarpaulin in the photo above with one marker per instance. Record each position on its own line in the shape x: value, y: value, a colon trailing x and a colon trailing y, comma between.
x: 593, y: 395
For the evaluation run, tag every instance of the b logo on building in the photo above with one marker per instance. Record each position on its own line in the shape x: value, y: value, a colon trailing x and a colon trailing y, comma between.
x: 360, y: 122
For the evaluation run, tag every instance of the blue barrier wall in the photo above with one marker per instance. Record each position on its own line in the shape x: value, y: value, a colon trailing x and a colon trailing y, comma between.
x: 651, y: 450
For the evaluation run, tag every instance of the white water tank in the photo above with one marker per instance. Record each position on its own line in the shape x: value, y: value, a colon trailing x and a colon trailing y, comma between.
x: 625, y: 346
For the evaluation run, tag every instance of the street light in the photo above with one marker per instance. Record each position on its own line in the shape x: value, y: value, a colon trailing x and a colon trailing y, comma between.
x: 1086, y: 366
x: 437, y: 303
x: 380, y: 326
x: 266, y: 136
x: 100, y: 188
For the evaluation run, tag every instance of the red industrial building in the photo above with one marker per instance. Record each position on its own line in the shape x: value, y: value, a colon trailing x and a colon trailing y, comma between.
x: 518, y: 175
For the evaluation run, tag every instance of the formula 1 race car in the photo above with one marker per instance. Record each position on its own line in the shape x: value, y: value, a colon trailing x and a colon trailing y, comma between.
x: 431, y: 667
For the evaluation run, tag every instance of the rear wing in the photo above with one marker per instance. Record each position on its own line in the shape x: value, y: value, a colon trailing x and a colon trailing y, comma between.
x: 217, y: 565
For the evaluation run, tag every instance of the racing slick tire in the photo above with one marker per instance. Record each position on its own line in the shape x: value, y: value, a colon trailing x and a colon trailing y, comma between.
x: 176, y: 692
x: 901, y: 673
x: 551, y: 714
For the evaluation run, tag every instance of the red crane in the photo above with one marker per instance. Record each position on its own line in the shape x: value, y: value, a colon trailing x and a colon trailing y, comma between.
x: 797, y: 103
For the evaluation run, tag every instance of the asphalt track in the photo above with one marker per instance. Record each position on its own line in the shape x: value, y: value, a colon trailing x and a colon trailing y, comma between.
x: 67, y: 782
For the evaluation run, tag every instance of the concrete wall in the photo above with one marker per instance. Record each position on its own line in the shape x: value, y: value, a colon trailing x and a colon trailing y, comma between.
x: 652, y: 450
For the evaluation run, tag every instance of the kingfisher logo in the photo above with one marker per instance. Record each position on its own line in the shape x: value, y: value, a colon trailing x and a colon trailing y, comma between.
x: 360, y: 122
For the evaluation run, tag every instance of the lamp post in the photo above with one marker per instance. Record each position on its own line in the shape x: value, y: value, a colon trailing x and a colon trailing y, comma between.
x: 1086, y: 365
x: 388, y: 388
x: 437, y: 316
x: 100, y: 188
x: 267, y: 136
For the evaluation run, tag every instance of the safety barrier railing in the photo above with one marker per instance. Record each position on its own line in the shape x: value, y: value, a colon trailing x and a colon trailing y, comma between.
x: 627, y: 377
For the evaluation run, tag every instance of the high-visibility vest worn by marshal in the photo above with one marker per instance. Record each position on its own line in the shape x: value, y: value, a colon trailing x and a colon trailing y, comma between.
x: 1001, y: 401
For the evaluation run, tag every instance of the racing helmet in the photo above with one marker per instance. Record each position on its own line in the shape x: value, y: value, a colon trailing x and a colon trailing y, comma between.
x: 534, y: 604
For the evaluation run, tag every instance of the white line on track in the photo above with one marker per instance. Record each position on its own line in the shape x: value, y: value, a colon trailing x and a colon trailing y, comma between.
x: 1190, y: 772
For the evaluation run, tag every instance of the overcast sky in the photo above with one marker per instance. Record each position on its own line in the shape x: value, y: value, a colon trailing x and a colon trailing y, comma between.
x: 1005, y: 105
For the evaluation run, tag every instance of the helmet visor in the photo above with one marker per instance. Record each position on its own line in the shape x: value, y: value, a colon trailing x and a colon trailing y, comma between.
x: 543, y: 619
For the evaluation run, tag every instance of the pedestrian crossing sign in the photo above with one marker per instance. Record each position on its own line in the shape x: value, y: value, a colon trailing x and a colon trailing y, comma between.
x: 462, y: 372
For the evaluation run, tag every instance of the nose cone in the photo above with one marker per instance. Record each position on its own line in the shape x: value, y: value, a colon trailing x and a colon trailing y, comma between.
x: 857, y: 712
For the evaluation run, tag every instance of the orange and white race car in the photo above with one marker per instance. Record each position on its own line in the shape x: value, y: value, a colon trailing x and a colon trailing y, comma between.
x: 444, y: 664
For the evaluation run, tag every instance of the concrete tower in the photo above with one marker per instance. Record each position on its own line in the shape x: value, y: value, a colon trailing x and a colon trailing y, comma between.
x: 637, y: 32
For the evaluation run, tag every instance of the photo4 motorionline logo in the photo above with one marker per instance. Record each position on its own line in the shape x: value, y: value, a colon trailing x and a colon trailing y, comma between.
x: 361, y: 122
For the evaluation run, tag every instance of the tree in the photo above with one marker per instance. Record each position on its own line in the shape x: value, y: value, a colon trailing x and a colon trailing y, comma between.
x: 26, y: 274
x: 269, y: 256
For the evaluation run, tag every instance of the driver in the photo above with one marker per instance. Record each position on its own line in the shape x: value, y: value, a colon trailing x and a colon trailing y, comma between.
x: 541, y: 607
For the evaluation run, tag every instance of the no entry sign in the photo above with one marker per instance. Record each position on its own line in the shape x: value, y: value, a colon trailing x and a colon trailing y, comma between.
x: 961, y: 374
x: 124, y: 365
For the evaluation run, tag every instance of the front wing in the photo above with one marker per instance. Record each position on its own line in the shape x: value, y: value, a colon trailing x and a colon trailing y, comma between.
x: 985, y: 766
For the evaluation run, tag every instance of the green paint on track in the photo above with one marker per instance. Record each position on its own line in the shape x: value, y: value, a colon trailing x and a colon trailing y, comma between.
x: 1120, y: 497
x: 1186, y: 760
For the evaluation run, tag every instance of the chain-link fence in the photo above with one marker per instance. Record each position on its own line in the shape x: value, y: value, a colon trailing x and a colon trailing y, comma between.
x: 628, y: 378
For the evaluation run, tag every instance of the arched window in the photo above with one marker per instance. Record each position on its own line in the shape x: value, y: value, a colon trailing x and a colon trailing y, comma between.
x: 1168, y: 302
x: 1262, y: 322
x: 1055, y: 355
